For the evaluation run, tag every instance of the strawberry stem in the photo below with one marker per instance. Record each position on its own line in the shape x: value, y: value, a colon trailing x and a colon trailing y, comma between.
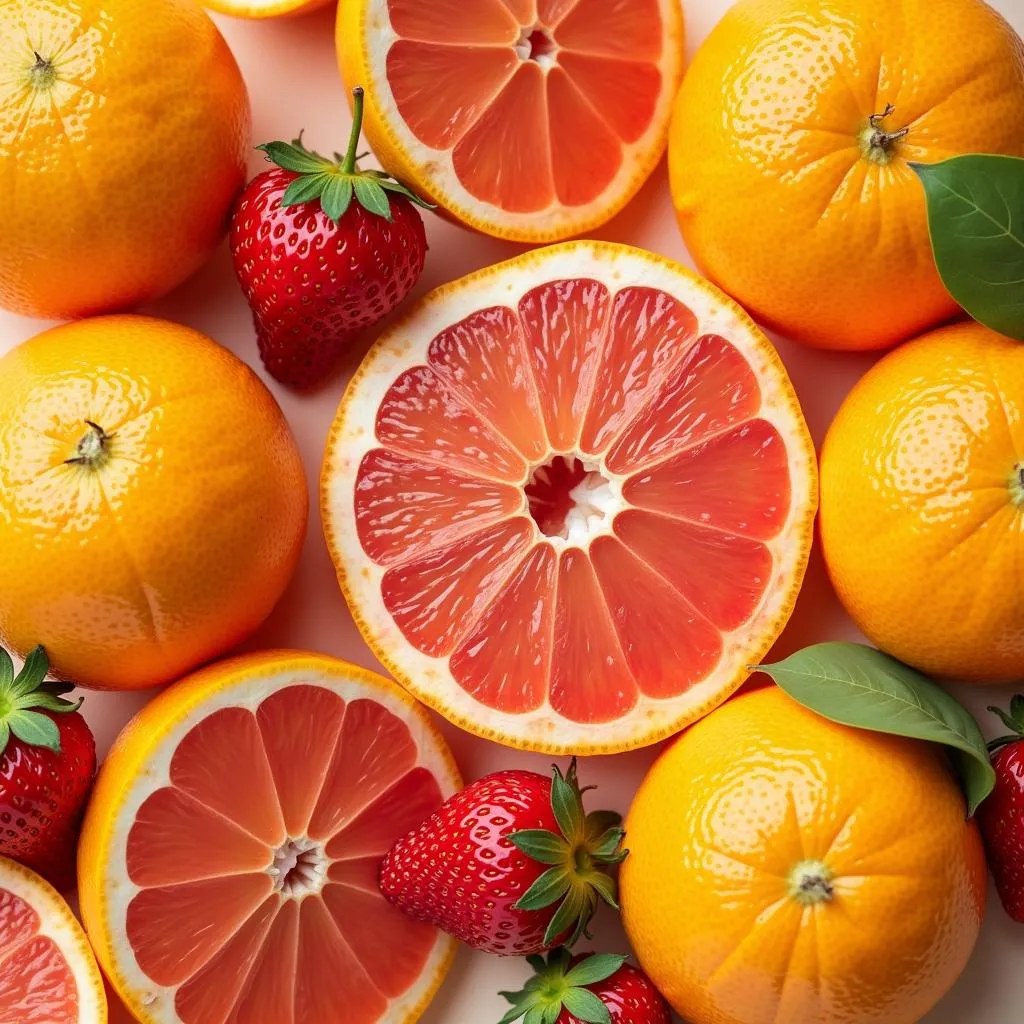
x: 348, y: 165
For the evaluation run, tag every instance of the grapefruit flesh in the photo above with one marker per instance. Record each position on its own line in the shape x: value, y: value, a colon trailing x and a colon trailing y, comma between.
x: 249, y: 847
x: 570, y: 498
x: 532, y: 119
x: 47, y: 971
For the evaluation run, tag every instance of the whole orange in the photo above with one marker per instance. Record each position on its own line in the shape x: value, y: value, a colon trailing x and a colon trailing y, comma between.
x: 124, y: 134
x: 922, y: 503
x: 152, y: 500
x: 790, y: 153
x: 785, y: 868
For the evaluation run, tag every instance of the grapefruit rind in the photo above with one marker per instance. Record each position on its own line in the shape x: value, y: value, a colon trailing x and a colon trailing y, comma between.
x: 365, y: 36
x: 56, y: 922
x: 264, y: 8
x: 139, y: 763
x: 405, y: 345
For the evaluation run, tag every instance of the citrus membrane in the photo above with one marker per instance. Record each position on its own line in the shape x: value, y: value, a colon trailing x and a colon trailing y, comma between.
x: 570, y: 498
x: 230, y: 855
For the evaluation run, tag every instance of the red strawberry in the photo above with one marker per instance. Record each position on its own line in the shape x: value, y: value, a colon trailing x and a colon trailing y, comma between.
x: 316, y: 267
x: 1001, y: 816
x: 589, y: 989
x: 47, y: 764
x: 510, y: 865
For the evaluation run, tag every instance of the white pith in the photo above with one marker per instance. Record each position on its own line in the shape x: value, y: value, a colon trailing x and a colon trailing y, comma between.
x: 299, y: 868
x: 56, y: 922
x: 405, y: 345
x: 437, y: 167
x: 596, y: 500
x: 249, y: 692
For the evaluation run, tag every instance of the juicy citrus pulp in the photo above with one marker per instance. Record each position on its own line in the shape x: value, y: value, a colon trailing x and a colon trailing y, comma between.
x: 48, y: 974
x: 570, y: 498
x: 922, y: 503
x: 529, y: 119
x: 228, y: 870
x: 785, y: 868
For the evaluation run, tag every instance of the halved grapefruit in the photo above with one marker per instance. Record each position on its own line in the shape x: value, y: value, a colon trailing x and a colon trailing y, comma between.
x: 527, y: 119
x: 570, y: 498
x: 48, y: 974
x: 228, y: 863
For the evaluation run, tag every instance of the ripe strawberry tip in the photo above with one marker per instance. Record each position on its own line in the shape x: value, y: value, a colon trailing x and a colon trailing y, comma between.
x: 336, y: 182
x: 23, y: 696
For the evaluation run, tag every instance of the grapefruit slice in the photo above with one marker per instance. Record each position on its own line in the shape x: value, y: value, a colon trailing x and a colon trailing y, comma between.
x: 570, y: 498
x: 527, y: 119
x: 48, y: 974
x: 228, y: 864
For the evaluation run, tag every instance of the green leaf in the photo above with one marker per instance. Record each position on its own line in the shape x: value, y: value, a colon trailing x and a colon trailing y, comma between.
x: 599, y: 822
x: 337, y: 197
x: 552, y: 1011
x: 606, y: 848
x: 541, y: 845
x: 295, y: 157
x: 976, y: 222
x: 35, y: 729
x: 6, y: 670
x: 856, y: 685
x: 32, y: 674
x: 584, y: 1005
x: 560, y: 958
x: 567, y: 805
x: 605, y: 888
x: 305, y: 188
x: 5, y: 735
x: 568, y: 915
x: 534, y: 1015
x: 536, y: 961
x: 396, y: 186
x: 49, y: 701
x: 1009, y: 720
x: 594, y: 969
x: 551, y: 886
x: 372, y: 197
x: 515, y: 1013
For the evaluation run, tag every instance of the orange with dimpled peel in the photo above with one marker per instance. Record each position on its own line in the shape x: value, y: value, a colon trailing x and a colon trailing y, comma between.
x: 527, y: 119
x: 570, y: 497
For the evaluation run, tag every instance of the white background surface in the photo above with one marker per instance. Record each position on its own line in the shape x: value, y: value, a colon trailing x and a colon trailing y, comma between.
x: 292, y: 75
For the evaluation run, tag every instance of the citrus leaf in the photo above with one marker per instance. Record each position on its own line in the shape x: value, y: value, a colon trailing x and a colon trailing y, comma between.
x: 595, y: 968
x: 541, y: 845
x: 304, y: 189
x: 337, y: 197
x: 35, y: 729
x: 372, y: 197
x: 976, y: 222
x: 586, y: 1006
x: 552, y: 885
x: 856, y: 685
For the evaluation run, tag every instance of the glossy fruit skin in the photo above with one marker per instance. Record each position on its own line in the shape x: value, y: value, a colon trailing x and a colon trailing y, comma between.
x: 127, y: 163
x: 922, y: 510
x: 313, y: 285
x: 1001, y: 818
x: 42, y: 800
x: 464, y: 848
x: 776, y: 200
x: 748, y: 793
x: 177, y: 546
x: 630, y: 997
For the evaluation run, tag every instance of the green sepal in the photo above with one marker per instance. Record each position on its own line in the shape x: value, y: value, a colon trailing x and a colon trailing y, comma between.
x: 23, y: 696
x: 32, y: 674
x: 599, y: 822
x: 570, y: 914
x: 606, y: 888
x: 1013, y: 720
x: 550, y: 887
x: 586, y: 1006
x: 6, y: 670
x: 35, y: 729
x: 334, y: 183
x: 556, y: 985
x: 566, y: 802
x: 608, y: 848
x: 595, y: 968
x: 540, y: 845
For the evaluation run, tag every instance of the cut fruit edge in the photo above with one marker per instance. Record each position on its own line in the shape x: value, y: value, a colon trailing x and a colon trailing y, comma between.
x: 139, y: 764
x: 59, y: 924
x: 405, y: 345
x: 264, y: 8
x: 365, y: 37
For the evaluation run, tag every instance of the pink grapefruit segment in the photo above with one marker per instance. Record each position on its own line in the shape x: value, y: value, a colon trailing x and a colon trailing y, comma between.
x: 47, y: 972
x: 529, y: 120
x: 646, y: 550
x: 245, y: 814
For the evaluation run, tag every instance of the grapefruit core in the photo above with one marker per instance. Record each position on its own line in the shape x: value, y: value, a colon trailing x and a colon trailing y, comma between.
x: 48, y: 974
x: 526, y: 119
x: 570, y: 498
x: 228, y: 863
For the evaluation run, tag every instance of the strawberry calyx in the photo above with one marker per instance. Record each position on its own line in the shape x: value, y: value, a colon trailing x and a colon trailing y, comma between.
x: 22, y: 697
x: 1013, y: 720
x: 578, y: 853
x: 559, y: 984
x: 336, y: 182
